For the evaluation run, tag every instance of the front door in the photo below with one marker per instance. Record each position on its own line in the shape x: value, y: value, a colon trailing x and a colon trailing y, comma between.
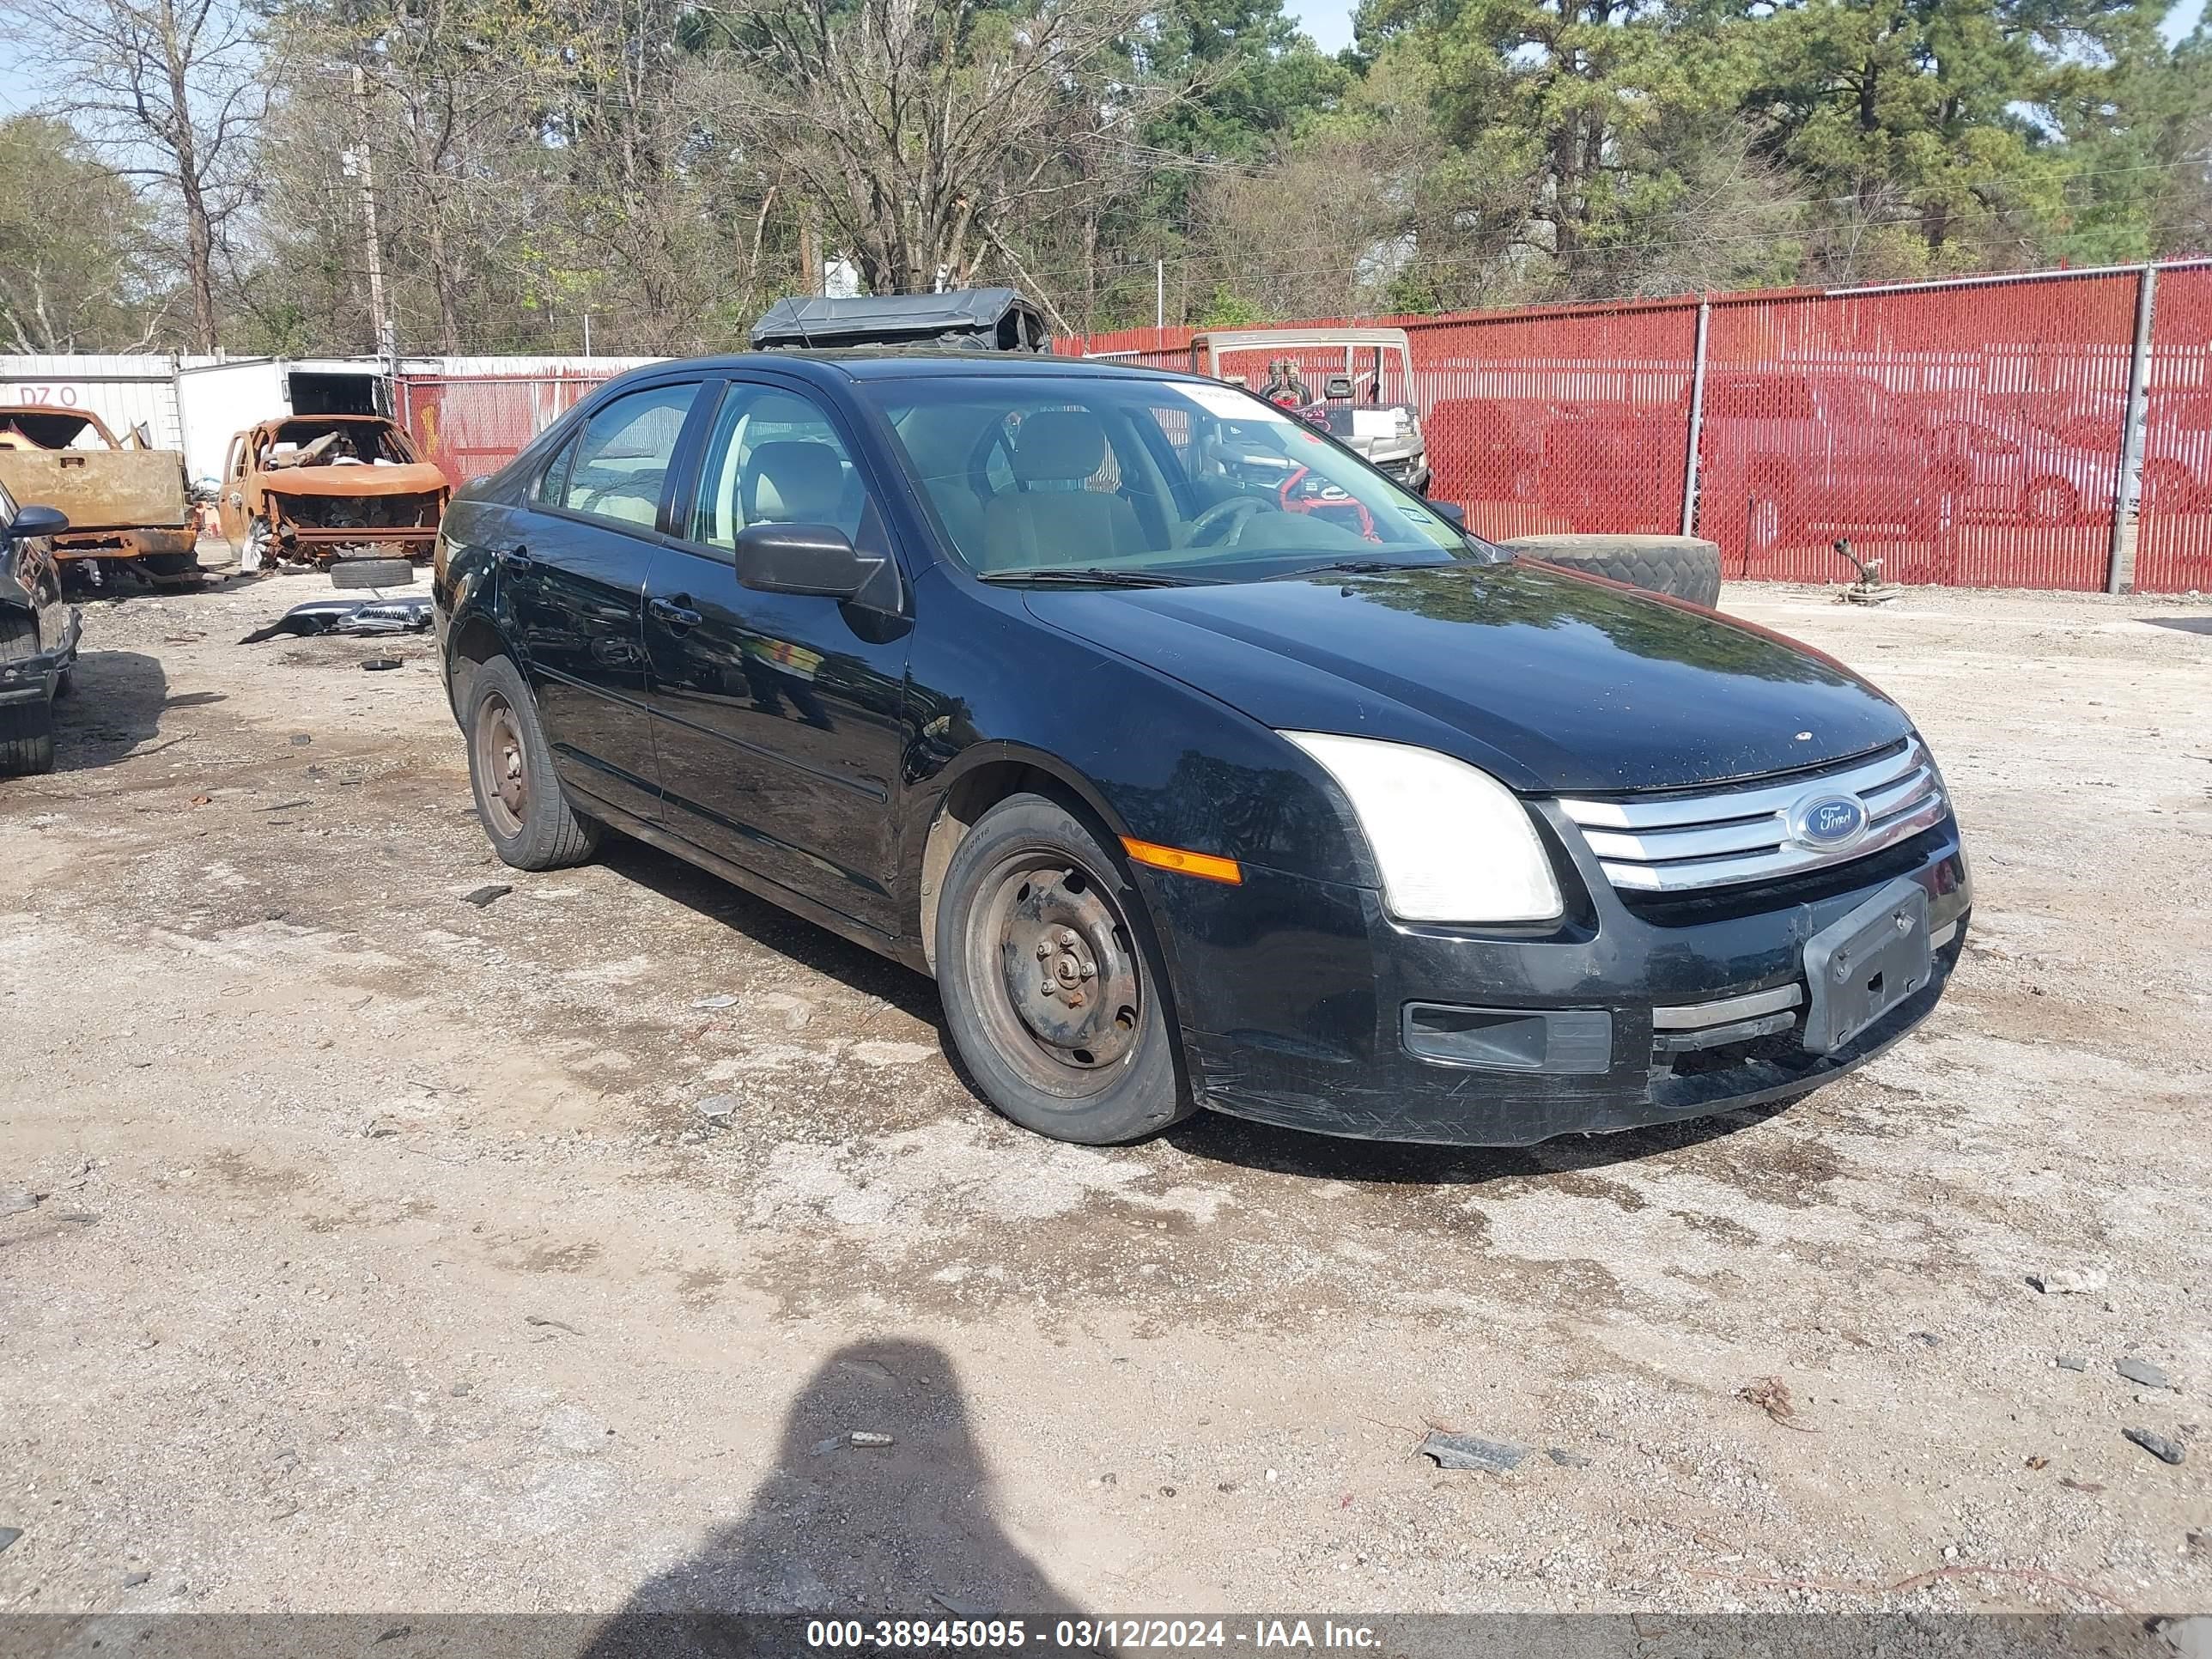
x: 571, y: 574
x: 231, y: 508
x: 776, y: 717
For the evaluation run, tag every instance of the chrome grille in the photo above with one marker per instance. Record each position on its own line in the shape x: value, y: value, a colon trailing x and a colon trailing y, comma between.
x: 1679, y: 843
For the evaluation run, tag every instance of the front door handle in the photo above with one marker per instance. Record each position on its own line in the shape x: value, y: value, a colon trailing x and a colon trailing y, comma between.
x: 677, y: 612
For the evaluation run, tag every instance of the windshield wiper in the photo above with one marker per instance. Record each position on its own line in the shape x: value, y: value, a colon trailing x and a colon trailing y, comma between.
x: 1349, y: 567
x: 1097, y: 577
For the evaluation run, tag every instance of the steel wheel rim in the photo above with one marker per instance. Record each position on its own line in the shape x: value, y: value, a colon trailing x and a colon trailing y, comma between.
x: 503, y: 765
x: 2049, y: 503
x: 1056, y: 974
x: 1765, y: 522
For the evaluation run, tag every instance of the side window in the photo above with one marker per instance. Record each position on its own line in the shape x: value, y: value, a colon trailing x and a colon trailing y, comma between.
x: 547, y: 491
x: 774, y: 457
x: 620, y: 461
x: 237, y: 467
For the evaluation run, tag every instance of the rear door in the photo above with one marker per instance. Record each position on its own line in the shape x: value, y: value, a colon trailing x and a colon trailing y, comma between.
x: 777, y: 716
x: 572, y: 575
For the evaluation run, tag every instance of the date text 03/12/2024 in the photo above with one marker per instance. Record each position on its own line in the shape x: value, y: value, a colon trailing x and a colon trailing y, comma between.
x: 1009, y: 1634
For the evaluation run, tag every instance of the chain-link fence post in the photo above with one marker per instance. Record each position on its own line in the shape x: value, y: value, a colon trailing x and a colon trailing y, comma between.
x: 2127, y: 499
x: 1696, y: 422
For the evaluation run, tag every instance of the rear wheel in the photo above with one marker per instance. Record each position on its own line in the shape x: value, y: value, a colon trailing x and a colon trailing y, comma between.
x: 519, y: 800
x: 2049, y: 501
x: 172, y: 569
x: 1052, y: 983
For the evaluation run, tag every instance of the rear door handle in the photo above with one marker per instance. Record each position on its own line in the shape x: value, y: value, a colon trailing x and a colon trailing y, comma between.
x: 677, y: 612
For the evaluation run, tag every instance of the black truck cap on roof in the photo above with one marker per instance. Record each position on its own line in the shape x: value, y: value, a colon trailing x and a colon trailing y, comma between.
x: 977, y: 318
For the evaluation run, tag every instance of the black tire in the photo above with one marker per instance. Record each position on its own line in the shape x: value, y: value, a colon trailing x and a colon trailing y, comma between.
x: 1031, y: 876
x: 372, y: 572
x: 26, y: 739
x: 172, y: 569
x: 1681, y: 567
x: 65, y: 682
x: 525, y: 816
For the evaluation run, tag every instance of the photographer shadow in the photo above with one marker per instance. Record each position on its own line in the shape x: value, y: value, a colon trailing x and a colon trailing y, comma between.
x: 902, y: 1531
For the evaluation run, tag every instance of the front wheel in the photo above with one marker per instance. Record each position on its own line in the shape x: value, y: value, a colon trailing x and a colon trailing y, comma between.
x: 26, y: 739
x: 1053, y: 985
x: 530, y: 824
x: 1766, y: 515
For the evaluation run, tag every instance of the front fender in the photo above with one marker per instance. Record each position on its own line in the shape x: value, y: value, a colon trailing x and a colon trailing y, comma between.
x: 1156, y: 758
x: 1153, y: 758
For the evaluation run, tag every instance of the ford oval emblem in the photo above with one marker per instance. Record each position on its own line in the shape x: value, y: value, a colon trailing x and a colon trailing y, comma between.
x: 1827, y: 823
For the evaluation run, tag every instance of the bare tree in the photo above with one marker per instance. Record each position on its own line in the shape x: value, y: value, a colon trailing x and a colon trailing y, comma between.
x: 173, y: 88
x: 934, y: 134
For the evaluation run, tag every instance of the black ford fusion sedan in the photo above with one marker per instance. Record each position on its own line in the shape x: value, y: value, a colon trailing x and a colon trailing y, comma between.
x: 1200, y: 764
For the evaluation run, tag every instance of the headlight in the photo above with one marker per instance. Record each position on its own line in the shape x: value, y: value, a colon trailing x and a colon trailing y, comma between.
x: 1453, y: 843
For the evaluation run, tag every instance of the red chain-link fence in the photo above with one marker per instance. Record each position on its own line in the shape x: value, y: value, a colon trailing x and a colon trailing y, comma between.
x: 1969, y: 433
x: 2174, y: 546
x: 1966, y: 435
x: 474, y: 424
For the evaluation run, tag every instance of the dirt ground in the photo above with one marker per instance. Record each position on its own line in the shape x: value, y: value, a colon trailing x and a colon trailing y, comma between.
x: 381, y: 1258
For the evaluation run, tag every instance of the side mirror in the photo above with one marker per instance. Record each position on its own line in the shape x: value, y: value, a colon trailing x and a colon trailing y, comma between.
x: 31, y: 521
x: 1451, y: 512
x: 817, y: 559
x: 1337, y: 385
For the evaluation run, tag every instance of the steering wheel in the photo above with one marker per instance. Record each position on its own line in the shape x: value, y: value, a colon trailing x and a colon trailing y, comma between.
x: 1212, y: 527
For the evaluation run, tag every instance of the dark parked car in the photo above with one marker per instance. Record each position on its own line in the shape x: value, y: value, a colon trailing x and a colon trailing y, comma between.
x: 1190, y: 787
x: 38, y: 636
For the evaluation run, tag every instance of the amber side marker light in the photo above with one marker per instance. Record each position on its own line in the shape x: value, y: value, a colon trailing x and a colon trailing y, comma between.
x: 1204, y: 865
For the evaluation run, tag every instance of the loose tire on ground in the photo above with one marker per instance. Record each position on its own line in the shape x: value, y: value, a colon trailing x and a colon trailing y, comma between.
x: 1681, y: 567
x: 1053, y: 984
x: 372, y: 572
x: 525, y: 816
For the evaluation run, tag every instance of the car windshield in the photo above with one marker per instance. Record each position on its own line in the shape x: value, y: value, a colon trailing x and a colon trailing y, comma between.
x: 1119, y: 479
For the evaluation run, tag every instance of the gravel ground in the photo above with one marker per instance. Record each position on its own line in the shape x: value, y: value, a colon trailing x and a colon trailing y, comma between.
x: 363, y: 1249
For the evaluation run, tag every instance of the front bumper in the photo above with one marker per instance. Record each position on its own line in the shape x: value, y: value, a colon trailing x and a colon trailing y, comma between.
x: 33, y: 680
x: 1294, y: 998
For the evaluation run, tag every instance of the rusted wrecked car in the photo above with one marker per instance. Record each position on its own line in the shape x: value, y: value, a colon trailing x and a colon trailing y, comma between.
x: 129, y: 506
x: 315, y: 487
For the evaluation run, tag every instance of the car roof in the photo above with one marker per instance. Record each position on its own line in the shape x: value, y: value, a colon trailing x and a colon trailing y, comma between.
x: 907, y: 362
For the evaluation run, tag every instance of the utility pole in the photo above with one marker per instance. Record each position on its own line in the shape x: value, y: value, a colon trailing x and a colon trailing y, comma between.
x: 366, y: 174
x: 2127, y: 497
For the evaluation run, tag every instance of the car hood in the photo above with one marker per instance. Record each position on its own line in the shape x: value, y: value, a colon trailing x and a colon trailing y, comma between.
x: 412, y: 478
x: 1549, y: 682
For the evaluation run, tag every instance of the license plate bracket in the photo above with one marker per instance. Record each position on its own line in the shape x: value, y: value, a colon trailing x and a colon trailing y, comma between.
x: 1862, y: 966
